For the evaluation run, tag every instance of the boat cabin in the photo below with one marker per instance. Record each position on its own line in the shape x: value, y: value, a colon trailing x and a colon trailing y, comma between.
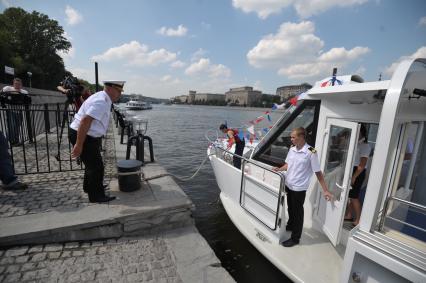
x: 389, y: 244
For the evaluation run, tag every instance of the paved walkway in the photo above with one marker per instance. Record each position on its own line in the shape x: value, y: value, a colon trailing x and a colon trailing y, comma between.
x: 178, y: 255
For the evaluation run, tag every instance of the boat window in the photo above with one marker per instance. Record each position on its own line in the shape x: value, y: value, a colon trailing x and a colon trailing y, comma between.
x: 335, y: 163
x: 406, y: 206
x: 274, y: 150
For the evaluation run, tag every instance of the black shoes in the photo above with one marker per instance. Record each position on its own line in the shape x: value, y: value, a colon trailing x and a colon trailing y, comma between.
x: 290, y: 243
x: 103, y: 199
x: 16, y: 186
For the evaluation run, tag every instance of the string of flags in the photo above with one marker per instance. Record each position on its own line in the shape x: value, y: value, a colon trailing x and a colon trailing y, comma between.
x: 248, y: 130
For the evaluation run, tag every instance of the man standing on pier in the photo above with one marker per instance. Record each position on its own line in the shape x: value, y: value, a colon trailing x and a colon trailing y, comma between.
x: 89, y: 125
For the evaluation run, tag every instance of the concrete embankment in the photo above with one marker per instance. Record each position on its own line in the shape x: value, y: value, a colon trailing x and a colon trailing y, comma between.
x: 51, y: 232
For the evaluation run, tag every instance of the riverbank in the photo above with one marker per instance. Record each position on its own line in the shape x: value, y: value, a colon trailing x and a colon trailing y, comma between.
x: 51, y: 232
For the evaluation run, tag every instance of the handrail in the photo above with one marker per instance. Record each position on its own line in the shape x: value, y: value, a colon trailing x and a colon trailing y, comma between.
x: 281, y: 189
x: 409, y: 203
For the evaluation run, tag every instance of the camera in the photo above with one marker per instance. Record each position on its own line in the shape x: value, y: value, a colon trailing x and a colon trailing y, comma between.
x: 73, y: 85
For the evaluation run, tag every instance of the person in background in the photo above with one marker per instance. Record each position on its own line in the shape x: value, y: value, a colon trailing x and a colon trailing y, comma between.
x: 76, y: 92
x: 353, y: 210
x: 7, y: 176
x: 301, y: 162
x: 14, y: 118
x: 89, y: 125
x: 233, y: 137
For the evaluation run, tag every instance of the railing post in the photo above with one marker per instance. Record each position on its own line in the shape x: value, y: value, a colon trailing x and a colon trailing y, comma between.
x: 46, y: 118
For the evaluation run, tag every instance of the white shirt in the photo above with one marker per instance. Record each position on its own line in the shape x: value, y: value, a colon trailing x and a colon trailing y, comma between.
x: 363, y: 150
x: 12, y: 89
x: 98, y: 107
x: 301, y: 165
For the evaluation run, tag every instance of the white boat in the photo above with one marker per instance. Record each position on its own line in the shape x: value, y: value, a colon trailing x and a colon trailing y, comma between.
x: 389, y: 244
x: 137, y: 104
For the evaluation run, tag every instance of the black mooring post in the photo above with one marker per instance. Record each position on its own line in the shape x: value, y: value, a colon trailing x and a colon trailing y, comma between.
x: 96, y: 77
x: 151, y: 148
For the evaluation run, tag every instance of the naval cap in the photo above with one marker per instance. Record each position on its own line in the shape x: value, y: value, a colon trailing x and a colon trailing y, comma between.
x: 115, y: 83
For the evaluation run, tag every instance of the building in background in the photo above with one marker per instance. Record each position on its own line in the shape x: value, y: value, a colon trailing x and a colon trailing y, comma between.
x: 244, y: 96
x: 291, y: 90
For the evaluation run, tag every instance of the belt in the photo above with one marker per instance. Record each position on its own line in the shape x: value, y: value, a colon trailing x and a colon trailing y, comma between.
x: 88, y: 137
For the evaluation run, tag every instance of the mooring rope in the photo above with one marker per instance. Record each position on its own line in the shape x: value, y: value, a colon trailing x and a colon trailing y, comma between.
x: 182, y: 179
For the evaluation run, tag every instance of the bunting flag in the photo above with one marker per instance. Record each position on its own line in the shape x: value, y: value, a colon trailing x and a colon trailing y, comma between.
x: 269, y: 118
x: 251, y: 129
x: 331, y: 82
x: 276, y: 106
x: 293, y: 100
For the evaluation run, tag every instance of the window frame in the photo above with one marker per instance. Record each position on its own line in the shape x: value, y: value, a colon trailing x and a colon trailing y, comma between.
x: 283, y: 127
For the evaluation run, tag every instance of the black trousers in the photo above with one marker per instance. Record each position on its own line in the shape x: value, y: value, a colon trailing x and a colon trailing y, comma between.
x: 239, y: 149
x: 295, y: 201
x: 94, y: 166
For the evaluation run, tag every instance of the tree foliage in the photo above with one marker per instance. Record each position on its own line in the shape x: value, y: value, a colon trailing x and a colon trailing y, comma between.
x: 30, y: 42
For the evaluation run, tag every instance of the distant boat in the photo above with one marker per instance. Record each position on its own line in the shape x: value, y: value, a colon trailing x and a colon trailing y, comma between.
x: 137, y: 104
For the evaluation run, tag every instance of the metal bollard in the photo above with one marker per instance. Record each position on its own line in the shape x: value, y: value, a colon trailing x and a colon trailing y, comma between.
x: 139, y: 142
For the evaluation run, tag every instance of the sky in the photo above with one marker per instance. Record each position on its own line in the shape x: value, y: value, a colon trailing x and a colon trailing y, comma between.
x: 164, y: 48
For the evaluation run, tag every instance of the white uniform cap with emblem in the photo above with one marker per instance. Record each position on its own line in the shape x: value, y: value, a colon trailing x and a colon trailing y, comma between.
x: 114, y: 83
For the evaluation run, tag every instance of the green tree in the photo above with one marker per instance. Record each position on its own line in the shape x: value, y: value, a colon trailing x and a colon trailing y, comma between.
x: 30, y: 42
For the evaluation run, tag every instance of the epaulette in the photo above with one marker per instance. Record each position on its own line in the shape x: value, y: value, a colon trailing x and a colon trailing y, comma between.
x: 312, y: 149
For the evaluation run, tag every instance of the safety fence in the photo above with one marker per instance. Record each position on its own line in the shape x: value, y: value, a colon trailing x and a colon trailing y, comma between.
x: 37, y: 136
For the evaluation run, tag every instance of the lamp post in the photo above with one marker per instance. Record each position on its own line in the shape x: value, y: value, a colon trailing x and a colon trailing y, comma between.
x: 29, y: 76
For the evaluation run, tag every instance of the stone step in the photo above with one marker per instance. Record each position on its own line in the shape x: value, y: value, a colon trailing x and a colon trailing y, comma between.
x: 158, y: 205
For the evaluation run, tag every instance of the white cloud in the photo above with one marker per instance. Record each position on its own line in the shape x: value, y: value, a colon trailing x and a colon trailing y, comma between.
x: 422, y: 21
x: 298, y: 53
x: 305, y: 8
x: 135, y: 54
x: 203, y: 66
x: 6, y: 3
x: 169, y: 79
x: 73, y: 16
x: 177, y: 64
x: 308, y: 8
x: 293, y: 43
x: 420, y: 53
x: 263, y: 8
x: 197, y: 55
x: 67, y: 54
x: 181, y: 30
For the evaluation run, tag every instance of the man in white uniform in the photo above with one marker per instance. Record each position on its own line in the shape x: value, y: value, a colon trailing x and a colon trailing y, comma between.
x: 89, y: 125
x: 300, y: 164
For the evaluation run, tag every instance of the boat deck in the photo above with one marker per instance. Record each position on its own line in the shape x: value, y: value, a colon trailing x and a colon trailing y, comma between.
x: 315, y: 259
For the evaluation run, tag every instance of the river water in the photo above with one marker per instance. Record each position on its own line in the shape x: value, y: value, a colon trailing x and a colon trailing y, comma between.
x: 178, y: 134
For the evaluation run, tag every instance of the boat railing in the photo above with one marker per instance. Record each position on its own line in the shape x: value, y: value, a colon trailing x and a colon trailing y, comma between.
x: 384, y: 215
x: 262, y: 189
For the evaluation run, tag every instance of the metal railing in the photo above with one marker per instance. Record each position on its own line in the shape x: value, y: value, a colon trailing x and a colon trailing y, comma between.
x: 279, y: 195
x: 384, y: 215
x: 38, y: 137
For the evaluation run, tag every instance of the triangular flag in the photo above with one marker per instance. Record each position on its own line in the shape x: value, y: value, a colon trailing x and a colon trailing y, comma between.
x: 269, y: 118
x: 251, y: 130
x: 276, y: 106
x: 293, y: 100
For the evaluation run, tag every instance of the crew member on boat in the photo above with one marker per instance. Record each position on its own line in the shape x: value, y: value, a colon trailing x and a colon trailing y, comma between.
x: 239, y: 144
x: 300, y: 164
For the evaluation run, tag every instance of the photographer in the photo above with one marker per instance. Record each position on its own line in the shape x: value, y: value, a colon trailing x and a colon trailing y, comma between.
x: 15, y: 95
x: 76, y: 93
